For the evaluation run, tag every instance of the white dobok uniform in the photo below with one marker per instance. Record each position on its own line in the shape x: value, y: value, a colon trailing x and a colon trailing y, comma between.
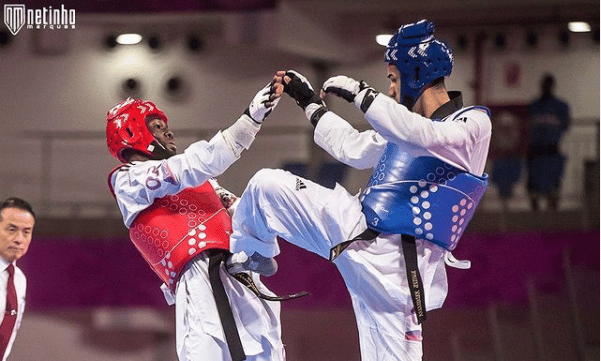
x: 199, y: 333
x: 278, y: 203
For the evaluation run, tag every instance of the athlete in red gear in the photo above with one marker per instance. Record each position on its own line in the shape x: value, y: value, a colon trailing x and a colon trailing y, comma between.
x: 178, y: 219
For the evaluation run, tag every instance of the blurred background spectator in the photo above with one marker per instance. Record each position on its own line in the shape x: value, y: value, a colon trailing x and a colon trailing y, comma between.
x: 549, y: 120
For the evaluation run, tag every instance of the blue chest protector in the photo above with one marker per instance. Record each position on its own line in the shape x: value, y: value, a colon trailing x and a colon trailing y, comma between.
x: 424, y: 197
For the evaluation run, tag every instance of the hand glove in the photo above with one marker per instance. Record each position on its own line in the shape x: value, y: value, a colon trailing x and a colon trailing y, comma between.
x: 264, y: 102
x: 348, y: 89
x: 299, y: 88
x: 227, y: 198
x: 344, y: 87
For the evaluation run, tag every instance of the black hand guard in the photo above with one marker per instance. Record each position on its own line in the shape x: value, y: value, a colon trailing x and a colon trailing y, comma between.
x: 300, y: 91
x: 344, y: 94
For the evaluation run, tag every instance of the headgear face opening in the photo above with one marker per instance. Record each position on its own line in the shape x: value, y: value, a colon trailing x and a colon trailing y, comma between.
x: 419, y: 57
x: 126, y: 128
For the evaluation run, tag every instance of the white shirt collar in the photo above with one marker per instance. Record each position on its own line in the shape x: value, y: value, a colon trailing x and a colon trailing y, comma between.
x: 4, y: 264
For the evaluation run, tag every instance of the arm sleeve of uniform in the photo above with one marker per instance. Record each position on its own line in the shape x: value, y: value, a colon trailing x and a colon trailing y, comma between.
x: 461, y: 141
x: 201, y: 161
x: 241, y: 134
x: 136, y: 186
x: 359, y: 150
x: 396, y: 123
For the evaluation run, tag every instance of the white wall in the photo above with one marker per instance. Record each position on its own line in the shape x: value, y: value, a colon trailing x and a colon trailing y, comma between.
x: 67, y: 93
x: 71, y: 92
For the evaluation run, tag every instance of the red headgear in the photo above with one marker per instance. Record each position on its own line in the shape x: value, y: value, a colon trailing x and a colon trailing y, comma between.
x: 126, y: 127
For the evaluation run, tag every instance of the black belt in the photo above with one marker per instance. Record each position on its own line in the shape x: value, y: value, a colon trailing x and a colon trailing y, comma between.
x: 247, y: 281
x: 367, y: 235
x: 223, y: 308
x: 416, y: 286
x: 223, y: 304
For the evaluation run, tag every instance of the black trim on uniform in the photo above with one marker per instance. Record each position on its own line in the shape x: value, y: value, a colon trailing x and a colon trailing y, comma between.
x: 449, y: 107
x: 369, y: 97
x: 318, y: 114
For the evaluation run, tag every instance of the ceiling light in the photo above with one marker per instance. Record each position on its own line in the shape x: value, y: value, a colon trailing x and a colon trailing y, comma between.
x: 383, y: 39
x: 579, y: 27
x: 129, y: 39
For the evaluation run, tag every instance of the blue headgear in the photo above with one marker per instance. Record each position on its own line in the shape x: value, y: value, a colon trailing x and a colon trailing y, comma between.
x: 419, y: 57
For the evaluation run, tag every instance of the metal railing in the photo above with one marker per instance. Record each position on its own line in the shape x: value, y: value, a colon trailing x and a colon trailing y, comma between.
x: 66, y: 189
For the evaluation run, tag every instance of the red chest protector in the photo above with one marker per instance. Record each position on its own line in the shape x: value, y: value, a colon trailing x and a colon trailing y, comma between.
x: 176, y: 228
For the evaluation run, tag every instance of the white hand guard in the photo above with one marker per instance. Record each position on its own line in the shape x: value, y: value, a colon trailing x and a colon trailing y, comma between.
x: 262, y: 104
x: 349, y: 88
x: 343, y: 86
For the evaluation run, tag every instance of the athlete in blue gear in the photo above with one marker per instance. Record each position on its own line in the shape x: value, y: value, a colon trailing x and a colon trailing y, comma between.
x: 391, y: 241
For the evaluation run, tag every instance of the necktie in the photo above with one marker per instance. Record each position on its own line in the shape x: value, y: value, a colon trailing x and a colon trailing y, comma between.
x: 10, y: 314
